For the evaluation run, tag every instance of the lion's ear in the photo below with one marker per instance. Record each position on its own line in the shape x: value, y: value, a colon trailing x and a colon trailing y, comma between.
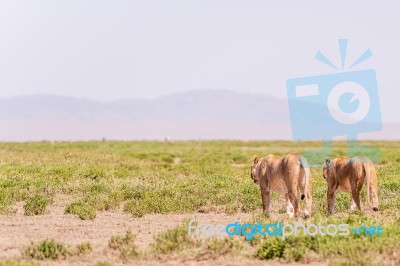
x: 327, y: 162
x: 255, y: 159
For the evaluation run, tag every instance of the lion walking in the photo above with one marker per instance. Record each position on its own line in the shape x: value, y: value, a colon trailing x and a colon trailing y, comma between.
x: 349, y: 175
x: 285, y: 176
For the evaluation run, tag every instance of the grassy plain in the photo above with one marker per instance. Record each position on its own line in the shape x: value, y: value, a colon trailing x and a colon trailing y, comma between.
x: 190, y: 177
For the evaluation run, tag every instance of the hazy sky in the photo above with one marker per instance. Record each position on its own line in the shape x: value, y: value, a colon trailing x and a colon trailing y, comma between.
x: 143, y: 49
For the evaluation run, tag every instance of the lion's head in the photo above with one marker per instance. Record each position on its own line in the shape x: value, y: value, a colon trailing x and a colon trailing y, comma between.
x: 326, y: 167
x: 254, y: 166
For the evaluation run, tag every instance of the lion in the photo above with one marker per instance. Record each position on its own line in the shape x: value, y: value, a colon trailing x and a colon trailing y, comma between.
x: 284, y: 176
x: 349, y: 175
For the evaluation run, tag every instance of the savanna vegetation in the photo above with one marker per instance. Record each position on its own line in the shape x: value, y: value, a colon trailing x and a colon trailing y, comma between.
x: 189, y: 177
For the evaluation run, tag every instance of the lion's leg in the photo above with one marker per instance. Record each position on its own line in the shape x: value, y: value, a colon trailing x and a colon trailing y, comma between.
x: 374, y: 190
x: 266, y: 199
x: 356, y: 197
x: 289, y: 206
x: 374, y: 195
x: 292, y: 184
x: 352, y: 204
x: 295, y: 202
x: 331, y: 195
x: 307, y: 209
x: 308, y: 199
x: 356, y: 186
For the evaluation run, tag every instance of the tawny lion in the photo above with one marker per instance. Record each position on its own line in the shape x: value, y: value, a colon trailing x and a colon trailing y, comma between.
x: 349, y: 175
x: 284, y: 175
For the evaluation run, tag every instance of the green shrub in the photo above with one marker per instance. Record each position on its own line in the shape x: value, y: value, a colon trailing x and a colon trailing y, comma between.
x: 83, y: 248
x: 16, y: 263
x: 272, y: 249
x: 83, y: 210
x: 133, y: 207
x: 172, y: 240
x: 125, y: 245
x: 364, y: 260
x: 47, y: 249
x: 221, y: 247
x: 36, y: 205
x: 103, y: 263
x: 6, y: 202
x: 290, y: 249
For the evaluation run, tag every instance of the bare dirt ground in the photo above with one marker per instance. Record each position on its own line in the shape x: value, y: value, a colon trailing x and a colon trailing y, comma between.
x: 18, y: 231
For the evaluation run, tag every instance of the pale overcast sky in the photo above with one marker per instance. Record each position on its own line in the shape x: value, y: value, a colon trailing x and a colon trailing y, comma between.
x: 107, y: 50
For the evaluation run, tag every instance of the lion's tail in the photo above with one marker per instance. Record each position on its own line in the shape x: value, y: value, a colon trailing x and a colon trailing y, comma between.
x: 307, y: 175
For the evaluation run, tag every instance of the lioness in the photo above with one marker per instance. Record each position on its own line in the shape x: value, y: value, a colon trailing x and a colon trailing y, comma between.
x: 284, y: 175
x: 349, y: 175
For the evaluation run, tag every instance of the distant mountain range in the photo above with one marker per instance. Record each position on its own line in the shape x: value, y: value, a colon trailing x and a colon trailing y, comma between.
x: 196, y: 106
x: 205, y: 114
